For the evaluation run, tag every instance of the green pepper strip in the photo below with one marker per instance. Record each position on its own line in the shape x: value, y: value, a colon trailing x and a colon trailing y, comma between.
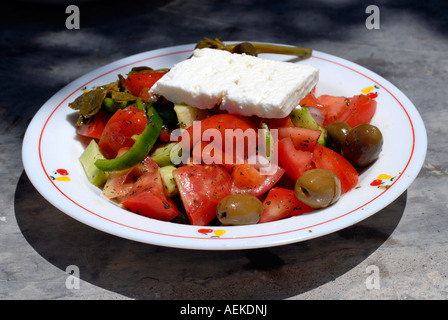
x: 139, y: 149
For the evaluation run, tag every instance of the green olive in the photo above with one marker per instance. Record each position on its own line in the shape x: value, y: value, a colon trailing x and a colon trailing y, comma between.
x: 239, y: 209
x: 337, y: 132
x: 245, y: 47
x: 362, y: 145
x: 318, y: 188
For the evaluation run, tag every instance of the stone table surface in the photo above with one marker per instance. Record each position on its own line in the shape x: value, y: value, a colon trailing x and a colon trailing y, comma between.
x: 407, y: 241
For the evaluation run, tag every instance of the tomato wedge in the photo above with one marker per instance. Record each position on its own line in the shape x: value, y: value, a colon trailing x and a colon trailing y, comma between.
x: 212, y: 153
x: 119, y: 183
x: 95, y: 127
x: 325, y: 158
x: 152, y: 206
x: 120, y: 128
x: 279, y: 123
x: 302, y: 138
x: 143, y: 80
x: 201, y: 187
x: 147, y: 196
x: 295, y: 162
x: 361, y: 109
x: 282, y: 203
x: 310, y: 100
x: 221, y: 123
x: 246, y: 176
x: 333, y: 107
x: 256, y: 184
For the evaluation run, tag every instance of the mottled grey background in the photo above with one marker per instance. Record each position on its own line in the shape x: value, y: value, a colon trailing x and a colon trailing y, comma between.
x: 407, y: 241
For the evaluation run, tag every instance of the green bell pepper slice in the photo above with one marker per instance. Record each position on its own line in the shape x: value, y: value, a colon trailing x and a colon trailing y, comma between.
x: 139, y: 149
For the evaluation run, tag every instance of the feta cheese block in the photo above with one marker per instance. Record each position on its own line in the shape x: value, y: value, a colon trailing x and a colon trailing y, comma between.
x: 239, y: 84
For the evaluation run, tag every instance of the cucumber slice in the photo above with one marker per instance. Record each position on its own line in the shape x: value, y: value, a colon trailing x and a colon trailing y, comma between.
x: 92, y: 153
x: 162, y: 155
x: 187, y: 114
x: 269, y: 141
x: 301, y: 117
x: 168, y: 181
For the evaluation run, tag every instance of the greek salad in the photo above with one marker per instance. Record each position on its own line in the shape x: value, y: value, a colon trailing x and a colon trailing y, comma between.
x: 176, y: 162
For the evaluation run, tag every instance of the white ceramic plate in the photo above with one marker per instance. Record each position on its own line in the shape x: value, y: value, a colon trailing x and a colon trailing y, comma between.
x: 50, y: 144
